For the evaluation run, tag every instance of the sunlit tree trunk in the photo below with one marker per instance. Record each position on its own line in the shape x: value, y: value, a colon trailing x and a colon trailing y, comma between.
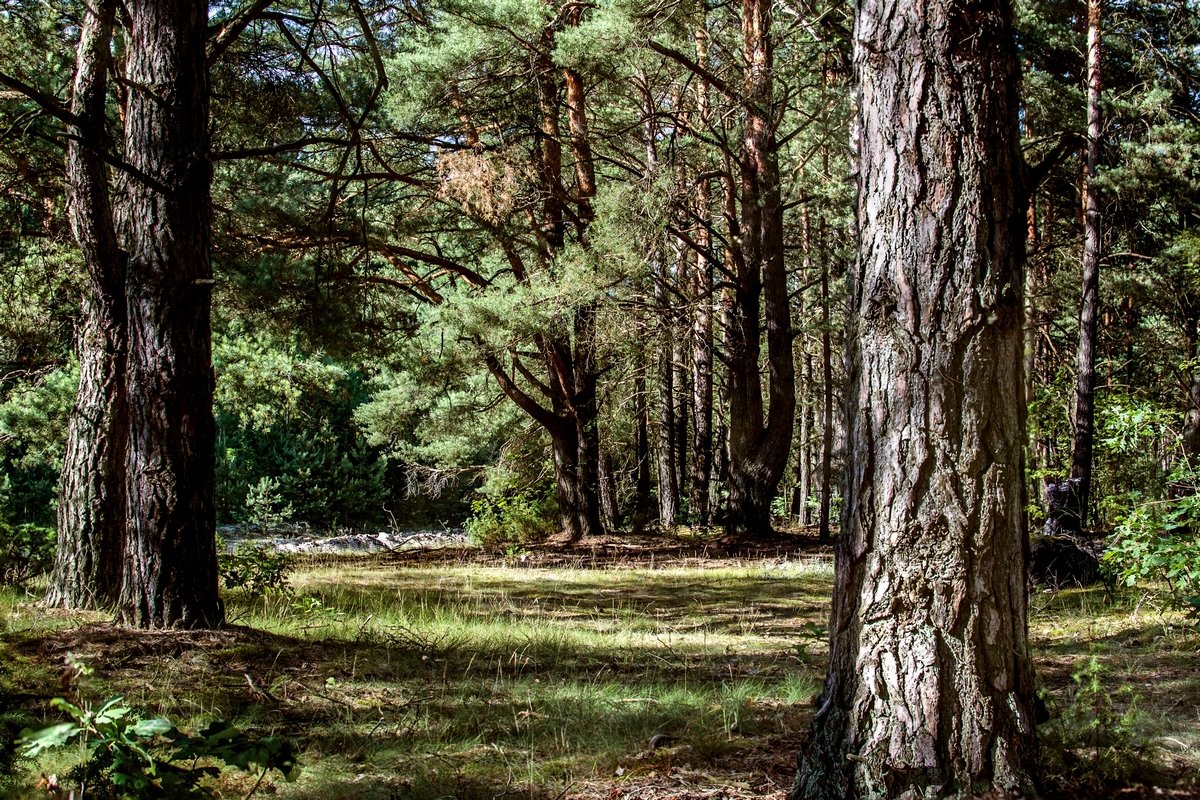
x: 1089, y: 305
x: 702, y: 310
x: 91, y: 501
x: 930, y: 686
x: 170, y: 570
x: 824, y: 520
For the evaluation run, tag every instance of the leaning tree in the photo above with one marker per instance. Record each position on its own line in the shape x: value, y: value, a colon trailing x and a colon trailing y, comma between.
x: 930, y: 684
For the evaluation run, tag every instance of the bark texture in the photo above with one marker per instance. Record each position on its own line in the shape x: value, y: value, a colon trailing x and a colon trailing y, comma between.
x: 1089, y: 303
x: 170, y: 571
x: 930, y: 684
x: 91, y: 500
x: 759, y: 439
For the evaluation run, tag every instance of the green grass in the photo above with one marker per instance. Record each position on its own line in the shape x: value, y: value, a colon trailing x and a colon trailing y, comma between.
x: 465, y: 681
x: 477, y: 681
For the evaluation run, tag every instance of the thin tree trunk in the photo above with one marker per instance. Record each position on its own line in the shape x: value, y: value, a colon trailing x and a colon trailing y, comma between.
x: 641, y: 445
x: 91, y: 499
x: 170, y: 571
x: 668, y: 487
x: 824, y: 520
x: 930, y: 687
x: 1191, y: 419
x: 804, y: 456
x: 1089, y: 304
x: 610, y: 515
x: 702, y: 316
x: 702, y: 372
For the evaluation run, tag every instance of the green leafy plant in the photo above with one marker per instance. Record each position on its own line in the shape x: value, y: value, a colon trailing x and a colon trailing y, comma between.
x: 257, y: 569
x: 132, y: 756
x: 1157, y: 547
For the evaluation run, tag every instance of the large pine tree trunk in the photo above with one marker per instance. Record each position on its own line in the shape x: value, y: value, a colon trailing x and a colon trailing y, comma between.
x: 758, y: 445
x: 91, y: 501
x: 170, y: 571
x: 1089, y: 304
x: 930, y: 684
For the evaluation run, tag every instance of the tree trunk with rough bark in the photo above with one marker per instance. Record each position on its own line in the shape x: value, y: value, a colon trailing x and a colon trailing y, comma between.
x: 170, y: 570
x: 930, y: 687
x: 91, y: 500
x: 702, y: 369
x: 759, y: 439
x: 1089, y: 304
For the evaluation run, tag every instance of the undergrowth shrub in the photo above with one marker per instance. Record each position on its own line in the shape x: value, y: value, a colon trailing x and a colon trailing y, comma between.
x: 1097, y: 737
x: 256, y: 569
x: 26, y: 551
x: 129, y: 754
x: 1156, y: 547
x: 520, y: 518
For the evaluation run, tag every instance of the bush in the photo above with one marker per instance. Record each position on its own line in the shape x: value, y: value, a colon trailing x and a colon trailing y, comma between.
x: 1157, y: 548
x: 26, y: 551
x: 257, y: 569
x: 520, y: 518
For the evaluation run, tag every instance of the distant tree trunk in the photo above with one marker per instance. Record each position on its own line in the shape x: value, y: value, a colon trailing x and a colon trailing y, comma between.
x: 170, y: 571
x: 702, y: 311
x: 680, y: 361
x: 802, y: 464
x: 609, y: 514
x: 1089, y: 305
x: 804, y: 460
x: 823, y: 522
x: 758, y: 445
x: 1191, y: 419
x: 702, y: 370
x: 930, y: 684
x: 91, y: 501
x: 667, y: 469
x: 641, y: 445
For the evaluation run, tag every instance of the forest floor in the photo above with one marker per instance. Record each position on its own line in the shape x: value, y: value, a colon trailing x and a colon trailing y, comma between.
x: 619, y: 669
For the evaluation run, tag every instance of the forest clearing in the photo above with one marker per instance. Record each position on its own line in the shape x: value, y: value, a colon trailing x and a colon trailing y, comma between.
x: 623, y: 399
x: 621, y: 669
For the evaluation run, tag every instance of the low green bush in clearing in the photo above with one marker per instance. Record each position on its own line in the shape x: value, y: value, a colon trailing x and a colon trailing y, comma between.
x: 520, y: 518
x: 1157, y: 549
x: 257, y: 569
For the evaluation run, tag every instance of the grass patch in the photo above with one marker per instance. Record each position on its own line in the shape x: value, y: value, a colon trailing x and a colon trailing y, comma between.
x: 446, y: 678
x: 465, y: 681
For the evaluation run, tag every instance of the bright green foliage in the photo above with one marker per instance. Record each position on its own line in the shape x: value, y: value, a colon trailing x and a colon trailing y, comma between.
x: 520, y: 518
x: 1157, y: 547
x: 128, y: 755
x: 33, y: 419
